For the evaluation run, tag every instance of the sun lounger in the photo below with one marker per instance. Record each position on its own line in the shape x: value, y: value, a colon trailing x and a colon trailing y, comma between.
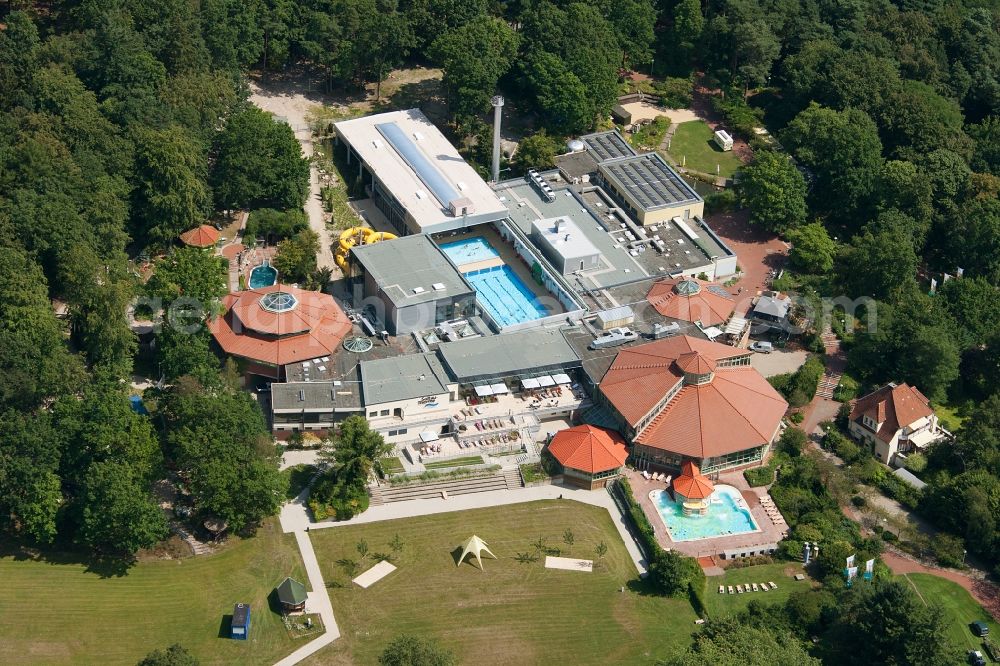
x: 773, y: 586
x: 739, y: 588
x: 731, y: 590
x: 646, y: 475
x: 755, y: 588
x: 722, y: 589
x: 764, y: 587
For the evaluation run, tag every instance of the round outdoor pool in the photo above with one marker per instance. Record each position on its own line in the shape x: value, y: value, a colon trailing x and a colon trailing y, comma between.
x: 261, y: 276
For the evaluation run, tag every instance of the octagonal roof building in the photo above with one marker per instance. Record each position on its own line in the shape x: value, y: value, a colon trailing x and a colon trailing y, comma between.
x: 277, y: 325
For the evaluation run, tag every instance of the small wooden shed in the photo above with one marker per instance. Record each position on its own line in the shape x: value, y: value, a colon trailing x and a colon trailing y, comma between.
x: 239, y: 628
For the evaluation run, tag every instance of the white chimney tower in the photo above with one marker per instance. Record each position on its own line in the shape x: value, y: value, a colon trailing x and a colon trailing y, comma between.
x: 497, y: 102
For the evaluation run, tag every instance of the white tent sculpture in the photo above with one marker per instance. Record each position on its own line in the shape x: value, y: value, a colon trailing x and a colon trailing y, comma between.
x: 476, y: 546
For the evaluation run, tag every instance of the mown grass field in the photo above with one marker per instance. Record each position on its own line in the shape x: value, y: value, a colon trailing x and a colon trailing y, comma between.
x: 59, y: 613
x: 960, y: 608
x: 693, y: 141
x: 781, y: 573
x: 511, y: 613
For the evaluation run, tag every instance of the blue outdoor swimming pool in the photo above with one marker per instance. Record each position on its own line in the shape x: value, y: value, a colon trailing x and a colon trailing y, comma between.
x: 728, y: 513
x: 504, y: 296
x: 470, y: 250
x: 263, y: 276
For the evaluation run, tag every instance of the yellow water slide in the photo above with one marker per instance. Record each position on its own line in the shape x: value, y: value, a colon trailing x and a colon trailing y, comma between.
x: 357, y: 236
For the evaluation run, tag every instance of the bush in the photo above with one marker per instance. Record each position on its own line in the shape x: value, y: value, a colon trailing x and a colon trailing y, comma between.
x: 889, y: 537
x: 792, y: 441
x: 274, y: 225
x: 800, y: 386
x: 740, y: 117
x: 916, y: 462
x: 752, y: 561
x: 331, y: 498
x: 720, y: 202
x: 797, y: 418
x: 675, y: 93
x: 948, y: 550
x: 859, y: 501
x: 759, y: 476
x: 846, y: 390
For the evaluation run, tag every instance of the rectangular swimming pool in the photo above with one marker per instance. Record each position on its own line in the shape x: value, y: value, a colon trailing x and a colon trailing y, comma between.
x: 507, y: 299
x: 470, y: 250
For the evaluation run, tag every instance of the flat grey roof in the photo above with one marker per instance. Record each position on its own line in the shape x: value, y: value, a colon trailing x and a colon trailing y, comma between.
x: 649, y: 180
x: 402, y: 378
x: 909, y: 478
x: 577, y: 165
x: 621, y: 266
x: 607, y: 145
x: 568, y: 241
x: 507, y: 354
x: 311, y: 396
x: 776, y: 307
x: 412, y: 262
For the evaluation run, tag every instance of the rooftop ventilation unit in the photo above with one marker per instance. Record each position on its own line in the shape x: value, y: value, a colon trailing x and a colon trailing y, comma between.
x: 438, y: 286
x: 418, y: 290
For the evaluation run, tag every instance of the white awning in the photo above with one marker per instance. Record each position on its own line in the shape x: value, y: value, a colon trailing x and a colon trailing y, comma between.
x: 562, y: 378
x: 736, y: 326
x: 545, y: 380
x: 712, y: 332
x: 499, y: 389
x: 530, y: 383
x: 484, y: 390
x: 428, y: 436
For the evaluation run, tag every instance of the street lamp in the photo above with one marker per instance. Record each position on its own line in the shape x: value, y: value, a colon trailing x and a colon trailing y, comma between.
x: 963, y: 555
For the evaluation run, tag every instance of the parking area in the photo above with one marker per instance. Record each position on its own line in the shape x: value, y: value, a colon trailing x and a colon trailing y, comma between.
x: 779, y: 362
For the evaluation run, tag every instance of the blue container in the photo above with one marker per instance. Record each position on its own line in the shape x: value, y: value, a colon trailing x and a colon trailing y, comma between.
x: 239, y: 628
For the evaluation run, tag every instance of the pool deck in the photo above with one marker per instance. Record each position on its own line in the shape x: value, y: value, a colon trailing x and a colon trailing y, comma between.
x: 508, y: 257
x: 769, y: 532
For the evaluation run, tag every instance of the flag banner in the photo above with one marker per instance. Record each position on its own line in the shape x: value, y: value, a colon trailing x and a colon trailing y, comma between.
x: 850, y: 561
x: 946, y: 277
x: 960, y: 272
x: 851, y: 572
x: 933, y: 285
x: 870, y: 565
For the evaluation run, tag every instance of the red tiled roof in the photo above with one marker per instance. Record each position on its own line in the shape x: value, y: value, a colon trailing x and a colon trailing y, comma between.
x: 695, y: 363
x: 641, y: 375
x: 315, y: 327
x: 737, y: 410
x: 691, y: 483
x: 894, y: 406
x: 203, y: 236
x: 707, y: 306
x: 589, y: 449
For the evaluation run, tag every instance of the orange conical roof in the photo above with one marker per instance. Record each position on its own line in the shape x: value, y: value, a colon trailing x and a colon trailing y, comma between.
x: 589, y: 449
x: 692, y: 484
x: 203, y: 236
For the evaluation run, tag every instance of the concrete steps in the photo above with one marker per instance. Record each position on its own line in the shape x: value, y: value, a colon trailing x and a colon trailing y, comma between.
x: 828, y: 383
x: 437, y: 489
x: 513, y: 478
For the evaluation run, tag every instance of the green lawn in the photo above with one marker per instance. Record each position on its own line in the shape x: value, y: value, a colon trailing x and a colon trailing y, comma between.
x: 949, y: 417
x: 454, y: 462
x: 512, y: 613
x: 392, y: 465
x: 960, y: 607
x: 693, y: 141
x: 59, y: 613
x: 781, y: 573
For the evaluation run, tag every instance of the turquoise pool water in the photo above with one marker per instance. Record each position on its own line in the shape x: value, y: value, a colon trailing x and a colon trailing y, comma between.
x: 263, y: 276
x: 470, y: 250
x: 728, y: 513
x: 507, y: 299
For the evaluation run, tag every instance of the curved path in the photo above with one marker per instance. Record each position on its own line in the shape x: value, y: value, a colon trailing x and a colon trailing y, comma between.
x: 982, y: 590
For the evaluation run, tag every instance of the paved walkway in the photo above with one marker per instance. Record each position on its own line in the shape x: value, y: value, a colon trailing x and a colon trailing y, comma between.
x: 294, y: 516
x: 982, y: 590
x: 318, y: 599
x: 292, y: 106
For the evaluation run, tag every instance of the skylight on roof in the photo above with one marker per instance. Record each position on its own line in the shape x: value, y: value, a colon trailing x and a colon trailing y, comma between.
x: 278, y: 301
